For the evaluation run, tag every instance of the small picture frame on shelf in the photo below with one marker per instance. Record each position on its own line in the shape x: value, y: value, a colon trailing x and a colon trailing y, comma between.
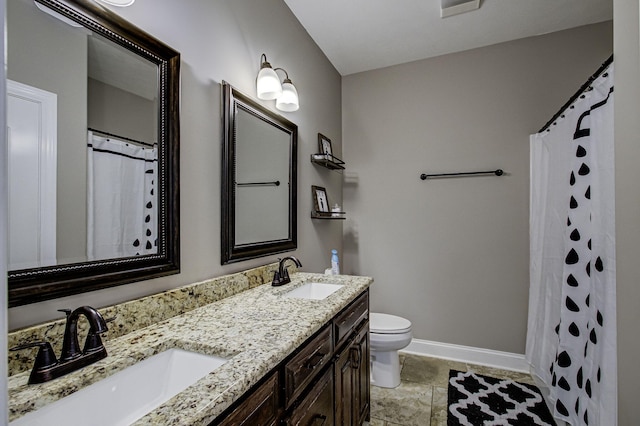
x: 324, y: 146
x: 320, y: 200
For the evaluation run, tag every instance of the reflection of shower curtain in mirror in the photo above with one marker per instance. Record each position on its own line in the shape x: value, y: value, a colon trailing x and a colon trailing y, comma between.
x: 121, y: 205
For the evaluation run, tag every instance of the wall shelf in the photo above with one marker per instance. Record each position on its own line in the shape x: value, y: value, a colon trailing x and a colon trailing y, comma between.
x: 332, y: 163
x: 328, y: 161
x: 328, y: 215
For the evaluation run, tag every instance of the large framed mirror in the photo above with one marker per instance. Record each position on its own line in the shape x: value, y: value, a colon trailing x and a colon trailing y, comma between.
x: 259, y: 179
x: 93, y: 136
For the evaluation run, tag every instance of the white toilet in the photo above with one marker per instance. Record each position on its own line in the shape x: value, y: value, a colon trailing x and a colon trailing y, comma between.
x: 387, y: 334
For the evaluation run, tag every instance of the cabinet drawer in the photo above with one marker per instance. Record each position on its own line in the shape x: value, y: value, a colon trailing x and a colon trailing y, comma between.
x: 349, y: 320
x: 304, y: 366
x: 316, y: 409
x: 259, y: 408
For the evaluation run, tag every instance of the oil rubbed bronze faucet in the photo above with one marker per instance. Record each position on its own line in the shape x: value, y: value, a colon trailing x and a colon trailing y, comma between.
x: 47, y: 367
x: 281, y: 276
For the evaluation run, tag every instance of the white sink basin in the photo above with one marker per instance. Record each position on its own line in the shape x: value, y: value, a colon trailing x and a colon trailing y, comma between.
x: 315, y: 291
x: 129, y: 394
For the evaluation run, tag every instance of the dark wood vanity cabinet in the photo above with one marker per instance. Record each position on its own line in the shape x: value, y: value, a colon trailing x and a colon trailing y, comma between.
x: 350, y: 319
x: 362, y: 376
x: 260, y: 408
x: 352, y: 380
x: 306, y: 364
x: 317, y: 408
x: 324, y: 382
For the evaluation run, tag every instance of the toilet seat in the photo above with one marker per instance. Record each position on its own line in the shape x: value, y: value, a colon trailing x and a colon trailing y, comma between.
x: 388, y: 324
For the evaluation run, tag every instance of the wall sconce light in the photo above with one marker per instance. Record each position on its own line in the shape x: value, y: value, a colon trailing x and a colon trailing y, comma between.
x: 268, y: 87
x: 288, y: 101
x: 121, y: 3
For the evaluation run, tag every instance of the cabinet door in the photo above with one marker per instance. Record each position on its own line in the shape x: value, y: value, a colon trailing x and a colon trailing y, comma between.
x: 316, y: 409
x: 362, y: 376
x: 352, y: 380
x: 344, y: 386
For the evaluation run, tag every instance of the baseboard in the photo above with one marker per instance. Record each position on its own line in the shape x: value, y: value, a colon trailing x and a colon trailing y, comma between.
x: 488, y: 357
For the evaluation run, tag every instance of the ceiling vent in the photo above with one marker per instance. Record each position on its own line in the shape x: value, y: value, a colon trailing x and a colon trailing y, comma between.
x: 455, y: 7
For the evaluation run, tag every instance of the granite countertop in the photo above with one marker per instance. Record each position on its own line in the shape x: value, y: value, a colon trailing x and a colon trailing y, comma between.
x: 255, y: 330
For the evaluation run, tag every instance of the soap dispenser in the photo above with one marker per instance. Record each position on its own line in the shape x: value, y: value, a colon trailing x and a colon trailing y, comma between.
x: 335, y: 263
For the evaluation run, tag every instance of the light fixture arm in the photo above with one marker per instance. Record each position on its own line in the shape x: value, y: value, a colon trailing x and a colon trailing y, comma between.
x: 286, y: 79
x: 264, y: 63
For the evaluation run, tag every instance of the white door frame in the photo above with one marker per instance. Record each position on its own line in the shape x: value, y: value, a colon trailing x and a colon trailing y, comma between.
x: 47, y: 158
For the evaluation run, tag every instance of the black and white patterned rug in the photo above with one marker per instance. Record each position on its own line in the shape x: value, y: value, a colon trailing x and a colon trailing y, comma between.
x: 477, y: 400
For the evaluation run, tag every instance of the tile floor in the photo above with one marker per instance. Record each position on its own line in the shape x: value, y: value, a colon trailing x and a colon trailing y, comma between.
x: 421, y: 398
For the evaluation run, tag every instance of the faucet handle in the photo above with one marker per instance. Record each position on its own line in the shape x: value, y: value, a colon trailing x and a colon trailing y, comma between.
x: 67, y: 312
x: 45, y: 358
x: 92, y: 343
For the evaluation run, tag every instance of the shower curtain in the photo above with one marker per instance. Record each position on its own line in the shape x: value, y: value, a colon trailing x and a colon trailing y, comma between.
x: 121, y: 206
x: 571, y: 336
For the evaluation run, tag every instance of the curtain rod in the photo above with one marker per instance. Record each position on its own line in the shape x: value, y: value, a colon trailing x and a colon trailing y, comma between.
x: 274, y: 183
x: 120, y: 137
x: 498, y: 172
x: 582, y: 89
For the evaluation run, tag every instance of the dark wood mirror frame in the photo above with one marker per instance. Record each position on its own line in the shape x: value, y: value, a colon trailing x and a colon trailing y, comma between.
x: 230, y: 251
x: 37, y: 284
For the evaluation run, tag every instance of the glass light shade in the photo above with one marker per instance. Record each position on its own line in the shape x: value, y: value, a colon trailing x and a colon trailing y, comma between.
x: 268, y: 85
x: 122, y: 3
x: 288, y: 101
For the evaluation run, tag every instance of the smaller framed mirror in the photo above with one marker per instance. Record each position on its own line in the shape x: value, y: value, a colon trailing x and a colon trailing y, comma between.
x: 259, y: 179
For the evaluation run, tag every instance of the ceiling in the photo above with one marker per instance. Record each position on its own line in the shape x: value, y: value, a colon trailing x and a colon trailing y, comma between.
x: 116, y: 66
x: 361, y: 35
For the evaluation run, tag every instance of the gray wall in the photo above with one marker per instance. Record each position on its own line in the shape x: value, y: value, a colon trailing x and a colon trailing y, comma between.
x: 116, y: 111
x: 42, y: 52
x: 452, y: 255
x: 223, y: 40
x: 627, y: 145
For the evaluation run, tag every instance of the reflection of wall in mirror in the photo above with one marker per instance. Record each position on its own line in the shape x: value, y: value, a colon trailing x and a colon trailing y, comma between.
x: 34, y: 57
x: 262, y: 154
x: 119, y: 112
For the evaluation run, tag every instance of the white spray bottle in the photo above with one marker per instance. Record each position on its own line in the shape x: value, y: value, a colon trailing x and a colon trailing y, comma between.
x: 335, y: 263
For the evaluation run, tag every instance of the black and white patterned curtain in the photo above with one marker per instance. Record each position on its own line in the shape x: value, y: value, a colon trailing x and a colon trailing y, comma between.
x: 121, y: 198
x: 571, y: 337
